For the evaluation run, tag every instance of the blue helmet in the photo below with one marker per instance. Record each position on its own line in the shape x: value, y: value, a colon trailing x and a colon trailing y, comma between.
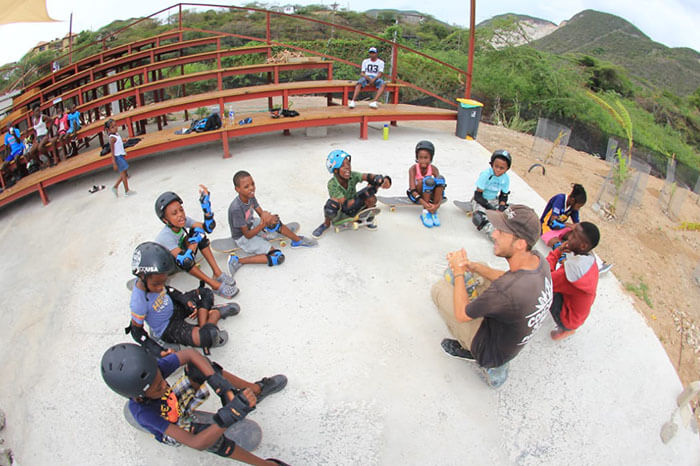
x: 335, y: 159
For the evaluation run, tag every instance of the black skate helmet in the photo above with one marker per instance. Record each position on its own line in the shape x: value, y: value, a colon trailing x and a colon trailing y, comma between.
x: 502, y: 154
x: 128, y: 369
x: 427, y: 145
x: 150, y: 257
x: 164, y: 200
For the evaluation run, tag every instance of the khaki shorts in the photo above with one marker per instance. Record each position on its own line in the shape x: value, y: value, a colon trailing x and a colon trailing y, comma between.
x: 443, y: 297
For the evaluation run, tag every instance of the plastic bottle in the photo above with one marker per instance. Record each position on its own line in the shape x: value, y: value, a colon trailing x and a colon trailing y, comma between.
x: 231, y: 116
x: 385, y: 132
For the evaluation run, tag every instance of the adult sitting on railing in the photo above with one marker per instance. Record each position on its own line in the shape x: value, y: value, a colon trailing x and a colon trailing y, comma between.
x: 371, y: 75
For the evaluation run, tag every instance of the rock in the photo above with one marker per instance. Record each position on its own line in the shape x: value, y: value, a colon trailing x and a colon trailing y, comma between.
x: 2, y: 419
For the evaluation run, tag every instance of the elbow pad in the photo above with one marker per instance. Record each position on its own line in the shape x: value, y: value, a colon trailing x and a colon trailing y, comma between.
x: 185, y: 260
x: 481, y: 200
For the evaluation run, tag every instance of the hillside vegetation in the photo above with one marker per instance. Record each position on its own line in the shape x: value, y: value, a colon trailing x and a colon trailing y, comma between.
x: 550, y: 78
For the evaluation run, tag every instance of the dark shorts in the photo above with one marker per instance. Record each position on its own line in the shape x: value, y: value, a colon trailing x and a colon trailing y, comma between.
x: 555, y: 310
x: 178, y: 330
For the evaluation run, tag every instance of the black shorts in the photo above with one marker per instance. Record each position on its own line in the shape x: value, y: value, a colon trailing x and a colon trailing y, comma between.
x: 179, y: 331
x: 555, y: 310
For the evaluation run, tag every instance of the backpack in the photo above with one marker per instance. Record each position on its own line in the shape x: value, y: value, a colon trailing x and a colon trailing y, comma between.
x: 209, y: 123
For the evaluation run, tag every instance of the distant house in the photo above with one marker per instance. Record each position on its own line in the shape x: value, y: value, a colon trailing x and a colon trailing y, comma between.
x: 60, y: 44
x: 288, y: 9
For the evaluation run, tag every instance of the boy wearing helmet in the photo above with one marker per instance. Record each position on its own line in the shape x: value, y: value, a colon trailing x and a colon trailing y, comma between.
x: 184, y: 244
x: 344, y: 199
x: 492, y: 190
x: 167, y: 411
x: 165, y: 309
x: 425, y: 184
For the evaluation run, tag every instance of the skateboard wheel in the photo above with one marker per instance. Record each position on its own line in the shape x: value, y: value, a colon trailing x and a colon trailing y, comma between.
x: 337, y: 229
x: 355, y: 226
x: 393, y: 209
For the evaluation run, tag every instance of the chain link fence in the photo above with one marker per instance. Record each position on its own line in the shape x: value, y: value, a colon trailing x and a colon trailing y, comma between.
x: 551, y: 139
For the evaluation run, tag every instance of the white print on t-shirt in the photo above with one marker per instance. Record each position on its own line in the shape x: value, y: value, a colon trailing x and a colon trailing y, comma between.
x: 544, y: 302
x: 372, y: 68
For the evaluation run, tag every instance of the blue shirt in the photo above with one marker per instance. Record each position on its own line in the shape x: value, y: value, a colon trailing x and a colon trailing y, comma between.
x: 13, y: 140
x: 557, y: 207
x: 493, y: 185
x: 147, y: 414
x: 156, y: 311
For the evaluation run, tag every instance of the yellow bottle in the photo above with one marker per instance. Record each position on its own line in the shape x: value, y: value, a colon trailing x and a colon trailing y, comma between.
x: 386, y: 132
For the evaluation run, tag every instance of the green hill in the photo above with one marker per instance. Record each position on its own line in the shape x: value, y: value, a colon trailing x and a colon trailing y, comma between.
x: 610, y: 38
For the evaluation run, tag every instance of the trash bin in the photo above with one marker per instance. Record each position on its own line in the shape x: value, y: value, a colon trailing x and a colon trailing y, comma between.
x: 468, y: 117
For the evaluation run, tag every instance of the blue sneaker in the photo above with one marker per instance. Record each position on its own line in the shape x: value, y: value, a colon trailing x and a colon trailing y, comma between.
x: 436, y: 220
x: 233, y: 265
x: 427, y: 219
x: 319, y: 231
x: 304, y: 241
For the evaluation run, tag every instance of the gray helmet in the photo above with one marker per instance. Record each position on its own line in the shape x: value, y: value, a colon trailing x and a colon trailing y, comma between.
x: 427, y: 145
x: 128, y: 369
x: 150, y: 257
x: 502, y: 154
x: 164, y: 201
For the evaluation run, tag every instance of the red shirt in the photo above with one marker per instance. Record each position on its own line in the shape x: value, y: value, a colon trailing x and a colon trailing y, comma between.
x: 576, y: 284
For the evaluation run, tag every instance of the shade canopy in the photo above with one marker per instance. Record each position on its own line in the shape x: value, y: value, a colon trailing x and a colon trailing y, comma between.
x: 24, y: 11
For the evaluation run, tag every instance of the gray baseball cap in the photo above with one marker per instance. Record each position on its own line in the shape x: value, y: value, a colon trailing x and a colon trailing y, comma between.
x: 518, y: 220
x: 372, y: 49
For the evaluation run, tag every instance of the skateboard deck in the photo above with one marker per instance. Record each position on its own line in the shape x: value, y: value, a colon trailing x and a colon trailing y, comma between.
x: 228, y: 245
x: 246, y: 433
x: 359, y: 220
x: 400, y: 201
x: 466, y: 206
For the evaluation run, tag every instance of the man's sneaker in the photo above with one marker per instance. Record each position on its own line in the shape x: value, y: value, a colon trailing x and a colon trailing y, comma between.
x: 454, y: 348
x: 228, y: 309
x: 304, y: 241
x: 226, y: 291
x: 130, y: 192
x: 233, y: 265
x: 373, y: 104
x: 436, y: 220
x: 319, y: 231
x: 270, y: 385
x: 114, y: 190
x: 225, y: 278
x: 560, y: 334
x: 427, y: 219
x: 604, y: 268
x: 351, y: 104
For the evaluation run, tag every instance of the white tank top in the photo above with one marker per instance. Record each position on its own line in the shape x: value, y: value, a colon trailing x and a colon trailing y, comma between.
x: 40, y: 127
x: 118, y: 145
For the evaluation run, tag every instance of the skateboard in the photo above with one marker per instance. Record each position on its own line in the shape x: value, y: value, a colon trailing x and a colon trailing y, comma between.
x: 400, y: 201
x: 466, y: 206
x: 365, y: 218
x: 246, y: 433
x: 228, y: 245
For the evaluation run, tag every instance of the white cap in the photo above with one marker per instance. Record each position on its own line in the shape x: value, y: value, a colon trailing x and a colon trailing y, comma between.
x: 373, y: 49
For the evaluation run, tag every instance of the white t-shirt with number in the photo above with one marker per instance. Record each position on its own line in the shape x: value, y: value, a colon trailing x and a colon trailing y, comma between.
x: 372, y: 68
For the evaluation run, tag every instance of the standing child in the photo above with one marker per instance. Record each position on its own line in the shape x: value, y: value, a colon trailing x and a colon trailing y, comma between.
x: 167, y: 412
x: 41, y: 124
x: 119, y: 162
x: 425, y: 184
x: 492, y: 190
x: 344, y: 199
x: 247, y: 231
x: 184, y: 245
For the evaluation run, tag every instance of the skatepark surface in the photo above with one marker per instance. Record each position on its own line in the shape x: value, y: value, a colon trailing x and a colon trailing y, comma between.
x: 351, y: 324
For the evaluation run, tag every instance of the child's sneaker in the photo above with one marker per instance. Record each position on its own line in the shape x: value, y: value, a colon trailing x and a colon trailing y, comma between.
x: 427, y: 219
x: 436, y: 220
x: 225, y: 278
x: 560, y: 334
x: 270, y: 385
x: 351, y: 104
x: 233, y: 265
x: 130, y: 192
x: 228, y: 309
x: 604, y: 268
x: 454, y: 348
x: 114, y: 190
x: 319, y: 231
x: 226, y: 291
x: 304, y: 241
x: 373, y: 104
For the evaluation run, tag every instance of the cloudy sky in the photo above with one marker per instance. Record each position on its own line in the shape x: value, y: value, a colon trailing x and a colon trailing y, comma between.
x: 675, y: 23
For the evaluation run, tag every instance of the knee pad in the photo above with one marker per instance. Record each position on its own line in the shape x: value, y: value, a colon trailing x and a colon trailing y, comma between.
x: 206, y: 298
x: 331, y: 208
x: 366, y: 192
x: 413, y: 196
x: 203, y: 244
x: 440, y: 181
x: 353, y: 209
x: 428, y: 184
x: 275, y: 227
x: 275, y: 257
x: 479, y: 219
x: 195, y: 374
x: 185, y: 260
x: 208, y: 335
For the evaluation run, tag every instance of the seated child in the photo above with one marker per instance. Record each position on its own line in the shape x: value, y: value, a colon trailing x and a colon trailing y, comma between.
x: 247, y: 231
x: 425, y: 184
x: 62, y: 127
x: 184, y: 245
x: 574, y: 279
x: 344, y: 199
x: 165, y: 309
x: 13, y: 162
x: 166, y: 411
x: 41, y: 124
x: 74, y: 124
x: 492, y: 190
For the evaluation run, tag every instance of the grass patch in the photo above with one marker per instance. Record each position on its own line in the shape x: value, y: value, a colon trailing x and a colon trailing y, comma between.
x: 641, y: 291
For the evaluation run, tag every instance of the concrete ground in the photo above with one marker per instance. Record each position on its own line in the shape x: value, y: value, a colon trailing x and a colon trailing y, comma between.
x: 351, y: 323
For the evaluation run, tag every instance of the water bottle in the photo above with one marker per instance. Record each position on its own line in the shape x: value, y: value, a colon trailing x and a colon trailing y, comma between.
x: 231, y: 116
x: 386, y: 132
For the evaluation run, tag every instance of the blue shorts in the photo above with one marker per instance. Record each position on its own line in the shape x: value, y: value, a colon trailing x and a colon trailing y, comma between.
x: 365, y: 82
x: 122, y: 165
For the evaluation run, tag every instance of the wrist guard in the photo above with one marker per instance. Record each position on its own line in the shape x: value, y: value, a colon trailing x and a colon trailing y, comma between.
x: 221, y: 386
x: 196, y: 235
x: 185, y: 260
x: 234, y: 411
